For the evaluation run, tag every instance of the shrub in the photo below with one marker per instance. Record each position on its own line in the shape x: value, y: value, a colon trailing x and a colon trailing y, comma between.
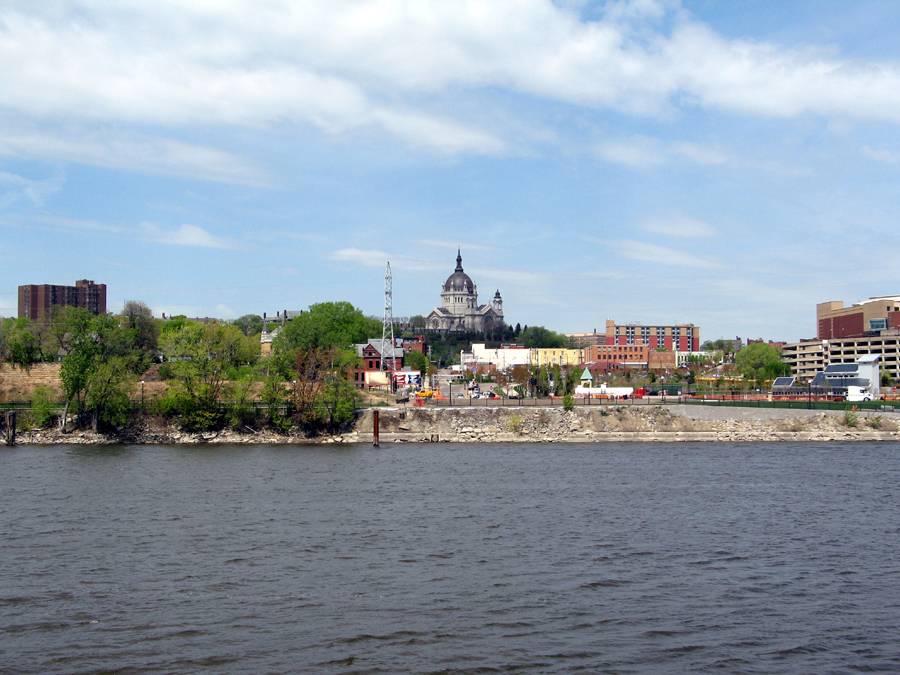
x: 42, y: 406
x: 568, y: 402
x: 851, y: 419
x: 515, y: 424
x: 874, y: 421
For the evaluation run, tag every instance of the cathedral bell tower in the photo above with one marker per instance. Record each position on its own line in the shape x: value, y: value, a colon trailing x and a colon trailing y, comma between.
x: 497, y: 303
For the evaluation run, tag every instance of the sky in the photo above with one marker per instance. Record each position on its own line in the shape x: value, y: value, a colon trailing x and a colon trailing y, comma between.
x: 727, y: 164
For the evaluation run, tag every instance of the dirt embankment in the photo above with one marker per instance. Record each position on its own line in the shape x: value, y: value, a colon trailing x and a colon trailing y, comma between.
x: 18, y: 384
x: 484, y: 425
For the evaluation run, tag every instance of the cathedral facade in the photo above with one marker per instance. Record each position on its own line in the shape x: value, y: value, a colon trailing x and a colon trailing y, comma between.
x: 460, y: 311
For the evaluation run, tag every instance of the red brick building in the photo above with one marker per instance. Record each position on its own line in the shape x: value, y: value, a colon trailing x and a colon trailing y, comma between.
x: 834, y: 321
x: 609, y: 355
x: 36, y: 301
x: 679, y: 337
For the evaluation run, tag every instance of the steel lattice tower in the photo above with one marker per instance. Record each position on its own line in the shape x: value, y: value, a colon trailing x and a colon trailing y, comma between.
x: 387, y: 325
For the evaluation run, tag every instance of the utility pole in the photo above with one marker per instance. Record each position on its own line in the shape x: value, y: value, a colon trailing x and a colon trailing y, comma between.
x: 387, y: 324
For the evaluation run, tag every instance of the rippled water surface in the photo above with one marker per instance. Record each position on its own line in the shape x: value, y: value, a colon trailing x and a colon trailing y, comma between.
x: 633, y: 558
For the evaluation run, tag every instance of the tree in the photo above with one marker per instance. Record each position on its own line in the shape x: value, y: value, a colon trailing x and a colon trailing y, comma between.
x: 416, y: 361
x: 728, y: 348
x: 760, y: 362
x: 417, y: 321
x: 336, y: 402
x: 538, y: 336
x: 202, y: 356
x: 138, y: 317
x: 106, y: 392
x: 249, y: 324
x: 96, y: 367
x: 20, y: 345
x: 326, y: 325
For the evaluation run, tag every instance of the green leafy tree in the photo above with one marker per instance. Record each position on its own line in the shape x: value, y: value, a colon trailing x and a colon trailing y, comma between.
x: 138, y: 317
x: 249, y: 324
x: 21, y: 345
x: 326, y: 325
x: 106, y: 397
x: 538, y: 336
x: 275, y: 399
x: 201, y: 356
x: 96, y: 366
x: 760, y: 362
x: 42, y: 406
x: 416, y: 361
x: 336, y: 402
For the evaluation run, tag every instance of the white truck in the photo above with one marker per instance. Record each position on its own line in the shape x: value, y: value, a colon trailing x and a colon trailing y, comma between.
x: 858, y: 394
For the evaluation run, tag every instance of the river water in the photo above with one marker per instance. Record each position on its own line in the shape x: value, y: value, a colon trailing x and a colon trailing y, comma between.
x: 483, y: 558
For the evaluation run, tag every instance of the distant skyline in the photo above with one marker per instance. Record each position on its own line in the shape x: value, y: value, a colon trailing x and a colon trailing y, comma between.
x: 653, y: 161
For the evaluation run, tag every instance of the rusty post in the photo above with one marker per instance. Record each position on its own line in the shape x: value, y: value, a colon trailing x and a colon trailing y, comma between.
x: 375, y: 439
x: 11, y: 428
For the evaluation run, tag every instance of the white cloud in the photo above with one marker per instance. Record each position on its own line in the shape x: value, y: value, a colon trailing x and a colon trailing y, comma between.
x: 35, y: 191
x: 225, y: 312
x: 880, y: 155
x: 145, y: 154
x: 453, y: 245
x: 8, y: 306
x: 508, y: 276
x: 699, y: 154
x: 375, y: 64
x: 662, y: 255
x: 375, y: 258
x: 438, y: 134
x: 635, y: 153
x: 642, y: 152
x: 186, y: 235
x: 679, y: 226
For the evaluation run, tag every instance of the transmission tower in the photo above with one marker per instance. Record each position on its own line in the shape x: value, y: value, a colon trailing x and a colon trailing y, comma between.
x: 387, y: 325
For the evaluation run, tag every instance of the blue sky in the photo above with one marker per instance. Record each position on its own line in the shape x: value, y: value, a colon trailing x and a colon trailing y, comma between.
x: 729, y: 164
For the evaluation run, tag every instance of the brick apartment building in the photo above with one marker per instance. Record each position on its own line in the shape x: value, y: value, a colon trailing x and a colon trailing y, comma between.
x: 678, y: 337
x: 36, y: 301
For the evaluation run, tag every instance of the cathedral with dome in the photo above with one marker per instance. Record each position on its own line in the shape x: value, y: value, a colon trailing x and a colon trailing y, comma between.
x: 460, y: 311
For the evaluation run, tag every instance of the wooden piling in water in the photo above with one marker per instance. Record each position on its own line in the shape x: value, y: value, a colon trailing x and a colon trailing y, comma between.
x: 375, y: 439
x: 10, y: 428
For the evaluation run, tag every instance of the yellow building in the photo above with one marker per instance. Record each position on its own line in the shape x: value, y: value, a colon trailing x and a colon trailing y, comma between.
x: 556, y: 356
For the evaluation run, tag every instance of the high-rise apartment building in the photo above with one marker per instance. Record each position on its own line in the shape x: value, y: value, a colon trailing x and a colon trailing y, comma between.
x: 36, y: 301
x: 683, y: 337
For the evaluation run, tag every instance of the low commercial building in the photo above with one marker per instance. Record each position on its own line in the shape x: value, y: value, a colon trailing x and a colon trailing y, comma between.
x: 556, y: 356
x: 633, y: 355
x: 683, y: 337
x: 502, y: 358
x: 37, y: 301
x: 662, y: 360
x: 685, y: 359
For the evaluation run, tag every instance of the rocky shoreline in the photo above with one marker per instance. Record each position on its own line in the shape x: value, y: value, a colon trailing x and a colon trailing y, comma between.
x: 529, y: 425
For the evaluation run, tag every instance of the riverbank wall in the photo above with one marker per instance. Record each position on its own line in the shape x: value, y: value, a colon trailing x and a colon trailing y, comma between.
x: 645, y: 423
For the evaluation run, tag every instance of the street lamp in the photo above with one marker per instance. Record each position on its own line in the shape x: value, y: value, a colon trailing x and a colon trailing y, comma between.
x: 142, y: 396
